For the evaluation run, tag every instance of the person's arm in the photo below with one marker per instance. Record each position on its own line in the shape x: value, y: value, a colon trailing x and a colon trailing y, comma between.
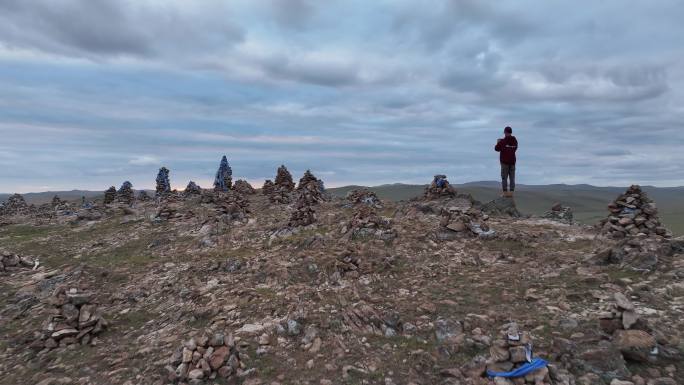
x: 498, y: 145
x: 514, y: 145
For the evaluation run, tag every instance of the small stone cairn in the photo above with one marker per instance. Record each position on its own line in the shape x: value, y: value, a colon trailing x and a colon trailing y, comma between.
x: 205, y: 359
x: 633, y: 214
x: 364, y: 196
x: 110, y: 195
x: 243, y: 187
x: 439, y: 188
x: 560, y: 213
x: 125, y: 194
x: 75, y: 319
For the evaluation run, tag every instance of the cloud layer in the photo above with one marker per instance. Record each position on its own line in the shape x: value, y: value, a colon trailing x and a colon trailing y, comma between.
x: 96, y: 92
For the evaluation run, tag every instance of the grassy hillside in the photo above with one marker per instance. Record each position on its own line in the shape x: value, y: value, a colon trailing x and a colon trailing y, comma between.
x: 588, y: 202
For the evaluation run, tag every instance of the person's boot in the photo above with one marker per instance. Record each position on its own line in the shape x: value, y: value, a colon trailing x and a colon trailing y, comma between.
x: 510, y: 194
x: 504, y: 194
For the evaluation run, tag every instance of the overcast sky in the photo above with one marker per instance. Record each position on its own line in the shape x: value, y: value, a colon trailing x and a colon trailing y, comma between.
x: 95, y: 92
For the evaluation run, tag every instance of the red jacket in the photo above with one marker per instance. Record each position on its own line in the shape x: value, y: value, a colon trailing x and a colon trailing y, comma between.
x: 506, y: 148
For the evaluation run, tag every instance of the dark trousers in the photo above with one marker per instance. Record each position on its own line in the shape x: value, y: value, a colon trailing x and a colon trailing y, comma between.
x: 507, y: 173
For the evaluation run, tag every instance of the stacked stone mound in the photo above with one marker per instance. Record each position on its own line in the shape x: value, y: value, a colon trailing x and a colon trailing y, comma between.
x: 310, y: 188
x: 223, y: 181
x: 268, y: 187
x: 303, y: 215
x: 560, y: 213
x: 232, y: 206
x: 243, y: 187
x: 192, y: 189
x: 166, y: 211
x: 439, y: 188
x: 630, y: 334
x: 637, y: 253
x: 163, y: 186
x: 364, y: 196
x: 9, y: 261
x: 59, y: 206
x: 367, y: 223
x: 207, y: 358
x: 15, y: 205
x: 110, y: 195
x: 125, y: 194
x: 471, y: 222
x: 75, y: 319
x: 510, y: 351
x: 283, y: 179
x: 633, y: 214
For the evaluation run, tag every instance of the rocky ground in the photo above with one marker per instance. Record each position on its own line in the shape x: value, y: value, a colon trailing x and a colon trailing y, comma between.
x: 219, y: 288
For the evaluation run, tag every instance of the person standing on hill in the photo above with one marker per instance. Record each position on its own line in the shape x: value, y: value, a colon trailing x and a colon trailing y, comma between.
x: 506, y: 147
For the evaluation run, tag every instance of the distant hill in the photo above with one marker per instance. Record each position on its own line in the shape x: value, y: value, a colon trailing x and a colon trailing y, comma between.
x: 588, y: 202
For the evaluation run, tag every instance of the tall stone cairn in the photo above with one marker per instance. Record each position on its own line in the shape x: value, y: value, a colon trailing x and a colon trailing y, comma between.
x: 110, y: 195
x: 304, y: 213
x: 439, y: 188
x: 243, y: 187
x: 125, y: 193
x: 192, y: 189
x: 633, y: 214
x: 15, y: 205
x: 223, y: 181
x: 268, y: 187
x: 284, y: 178
x: 310, y: 188
x: 163, y: 184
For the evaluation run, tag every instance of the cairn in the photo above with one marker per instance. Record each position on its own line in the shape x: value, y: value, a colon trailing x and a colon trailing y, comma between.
x: 110, y: 195
x: 206, y: 358
x: 439, y: 188
x: 633, y: 214
x: 310, y: 188
x: 471, y: 222
x: 268, y: 187
x: 143, y: 196
x: 9, y: 261
x: 223, y: 181
x: 59, y: 206
x: 232, y: 206
x: 243, y: 187
x: 364, y: 196
x: 283, y: 179
x: 75, y: 320
x: 304, y: 214
x: 560, y: 213
x: 163, y: 187
x: 192, y: 189
x: 367, y: 223
x: 629, y: 333
x: 15, y: 205
x: 512, y: 350
x: 125, y: 194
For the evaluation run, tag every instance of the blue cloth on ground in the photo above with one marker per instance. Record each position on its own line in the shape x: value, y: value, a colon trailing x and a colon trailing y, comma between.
x: 529, y: 367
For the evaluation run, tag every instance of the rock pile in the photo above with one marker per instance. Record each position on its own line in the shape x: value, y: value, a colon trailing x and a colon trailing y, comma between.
x: 143, y: 196
x: 15, y: 205
x: 74, y: 320
x: 560, y: 213
x: 304, y: 214
x: 502, y: 207
x: 9, y: 261
x: 367, y: 223
x: 59, y: 206
x: 364, y: 196
x: 232, y: 206
x: 633, y: 214
x: 167, y: 211
x: 192, y: 189
x: 223, y: 180
x: 110, y: 195
x: 310, y: 188
x: 206, y: 358
x: 284, y: 179
x: 268, y: 187
x: 439, y: 188
x: 510, y: 351
x: 243, y: 187
x: 629, y: 333
x: 163, y: 184
x: 471, y: 222
x: 125, y: 194
x: 636, y: 253
x: 354, y: 261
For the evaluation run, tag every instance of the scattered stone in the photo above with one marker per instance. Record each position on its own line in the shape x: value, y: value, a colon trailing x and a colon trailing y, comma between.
x: 9, y: 262
x: 471, y: 222
x: 367, y: 223
x: 206, y: 358
x: 560, y: 213
x: 365, y: 197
